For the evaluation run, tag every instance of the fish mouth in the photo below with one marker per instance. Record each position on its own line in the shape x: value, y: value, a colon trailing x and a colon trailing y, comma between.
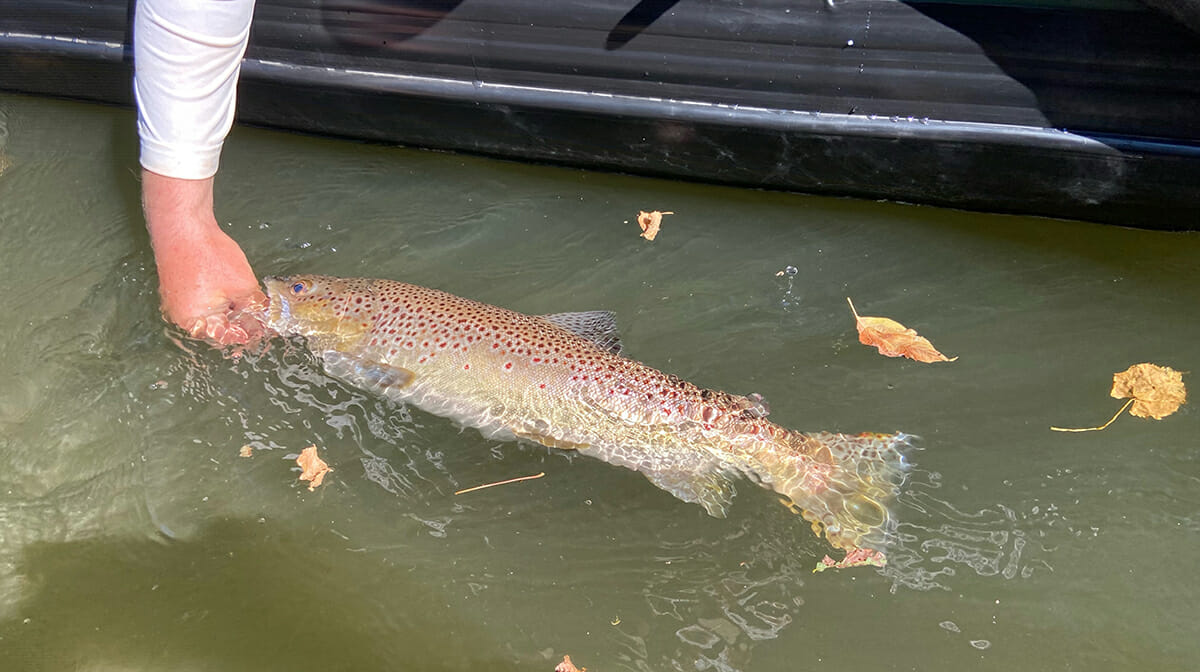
x: 278, y: 312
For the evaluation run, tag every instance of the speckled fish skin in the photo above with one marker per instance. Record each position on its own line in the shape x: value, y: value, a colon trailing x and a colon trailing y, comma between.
x: 557, y: 380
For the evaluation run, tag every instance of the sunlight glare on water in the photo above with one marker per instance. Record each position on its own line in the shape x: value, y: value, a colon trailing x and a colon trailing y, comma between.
x: 134, y: 536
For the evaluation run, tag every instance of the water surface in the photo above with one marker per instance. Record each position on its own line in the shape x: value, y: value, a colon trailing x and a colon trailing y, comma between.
x: 134, y: 537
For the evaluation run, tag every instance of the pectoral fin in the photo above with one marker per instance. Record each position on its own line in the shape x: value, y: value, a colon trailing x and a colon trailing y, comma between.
x: 550, y: 441
x: 383, y: 379
x: 708, y: 488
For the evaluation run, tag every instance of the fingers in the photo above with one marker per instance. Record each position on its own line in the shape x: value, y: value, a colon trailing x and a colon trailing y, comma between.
x: 217, y: 329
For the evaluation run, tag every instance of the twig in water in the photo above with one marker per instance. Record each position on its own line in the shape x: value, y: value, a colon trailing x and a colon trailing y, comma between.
x: 511, y: 480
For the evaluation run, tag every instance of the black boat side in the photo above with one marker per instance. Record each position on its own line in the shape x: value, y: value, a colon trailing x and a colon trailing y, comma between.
x: 1083, y: 110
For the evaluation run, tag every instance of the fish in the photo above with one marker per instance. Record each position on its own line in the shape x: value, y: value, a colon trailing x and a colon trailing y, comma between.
x: 562, y: 381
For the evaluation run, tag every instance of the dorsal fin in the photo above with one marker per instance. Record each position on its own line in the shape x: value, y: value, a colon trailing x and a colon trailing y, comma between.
x: 597, y: 326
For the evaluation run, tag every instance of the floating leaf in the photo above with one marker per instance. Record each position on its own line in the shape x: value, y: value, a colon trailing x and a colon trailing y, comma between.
x: 1153, y: 391
x: 1157, y: 391
x: 894, y: 339
x: 313, y: 468
x: 859, y: 557
x: 567, y: 666
x: 246, y: 451
x: 650, y: 221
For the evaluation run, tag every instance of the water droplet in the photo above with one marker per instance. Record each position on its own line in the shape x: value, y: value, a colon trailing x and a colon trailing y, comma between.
x: 950, y: 626
x: 305, y: 245
x: 849, y: 43
x: 980, y: 644
x: 791, y: 270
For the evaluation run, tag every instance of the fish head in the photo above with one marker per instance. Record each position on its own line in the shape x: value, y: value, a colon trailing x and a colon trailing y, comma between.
x: 331, y: 313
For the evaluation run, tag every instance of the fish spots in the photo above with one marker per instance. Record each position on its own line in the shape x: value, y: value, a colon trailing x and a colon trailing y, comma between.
x: 508, y: 366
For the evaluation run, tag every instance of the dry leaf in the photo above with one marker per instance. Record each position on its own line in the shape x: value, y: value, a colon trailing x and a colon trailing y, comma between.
x: 314, y: 468
x: 894, y: 339
x: 246, y: 451
x: 650, y: 221
x: 567, y: 666
x: 1153, y: 391
x: 1157, y: 391
x: 859, y: 557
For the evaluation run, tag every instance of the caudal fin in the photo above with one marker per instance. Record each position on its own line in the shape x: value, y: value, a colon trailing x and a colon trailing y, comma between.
x: 843, y: 484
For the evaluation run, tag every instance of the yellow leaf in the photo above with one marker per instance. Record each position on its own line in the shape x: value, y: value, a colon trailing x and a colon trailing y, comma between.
x: 894, y: 339
x: 1153, y: 391
x: 1157, y: 391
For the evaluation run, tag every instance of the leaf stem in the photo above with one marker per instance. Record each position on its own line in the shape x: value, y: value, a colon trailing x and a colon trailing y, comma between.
x: 1095, y: 429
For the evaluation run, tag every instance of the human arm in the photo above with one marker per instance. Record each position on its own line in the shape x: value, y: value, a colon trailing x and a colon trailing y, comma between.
x: 187, y: 57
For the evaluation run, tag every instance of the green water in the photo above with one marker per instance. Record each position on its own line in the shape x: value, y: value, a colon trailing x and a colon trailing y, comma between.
x: 134, y: 537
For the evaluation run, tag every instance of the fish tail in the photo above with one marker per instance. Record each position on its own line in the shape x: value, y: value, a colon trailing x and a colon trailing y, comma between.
x: 841, y: 483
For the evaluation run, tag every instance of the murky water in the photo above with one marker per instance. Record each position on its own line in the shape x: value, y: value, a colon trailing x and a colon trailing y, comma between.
x: 134, y: 537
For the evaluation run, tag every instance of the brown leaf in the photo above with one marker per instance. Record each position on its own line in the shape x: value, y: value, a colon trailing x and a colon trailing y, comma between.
x: 1157, y: 391
x: 894, y: 339
x: 314, y: 468
x: 567, y: 666
x: 650, y: 221
x: 246, y: 451
x: 1153, y: 391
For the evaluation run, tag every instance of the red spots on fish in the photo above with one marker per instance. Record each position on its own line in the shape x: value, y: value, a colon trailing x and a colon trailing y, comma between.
x: 466, y: 367
x: 508, y: 366
x: 542, y: 385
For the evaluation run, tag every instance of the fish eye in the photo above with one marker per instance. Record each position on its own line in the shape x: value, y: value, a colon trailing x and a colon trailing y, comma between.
x: 299, y: 287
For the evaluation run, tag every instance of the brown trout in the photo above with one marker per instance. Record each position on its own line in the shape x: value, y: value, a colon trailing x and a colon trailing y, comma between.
x: 560, y: 380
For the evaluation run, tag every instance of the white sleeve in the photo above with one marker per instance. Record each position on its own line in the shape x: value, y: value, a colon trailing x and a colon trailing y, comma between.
x: 187, y: 55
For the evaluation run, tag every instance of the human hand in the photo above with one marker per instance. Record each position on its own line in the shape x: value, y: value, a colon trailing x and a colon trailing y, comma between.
x: 204, y: 280
x: 209, y: 289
